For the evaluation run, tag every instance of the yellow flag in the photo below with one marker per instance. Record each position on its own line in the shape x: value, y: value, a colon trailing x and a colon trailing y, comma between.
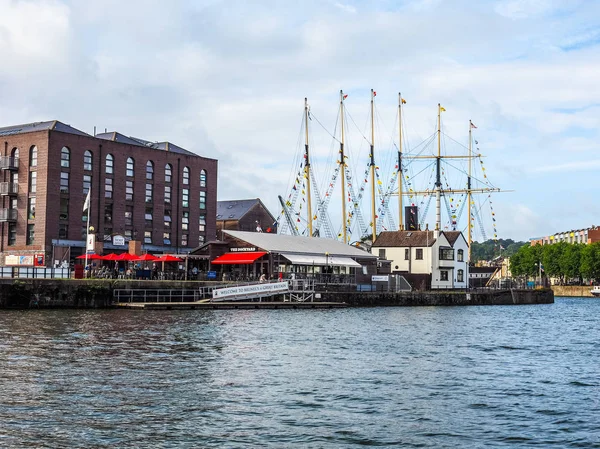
x: 403, y: 101
x: 442, y: 109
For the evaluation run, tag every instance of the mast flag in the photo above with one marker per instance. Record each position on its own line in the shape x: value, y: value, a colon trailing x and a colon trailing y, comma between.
x: 86, y: 204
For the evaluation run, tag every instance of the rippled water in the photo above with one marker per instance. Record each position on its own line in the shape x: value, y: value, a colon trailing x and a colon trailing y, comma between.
x: 470, y: 377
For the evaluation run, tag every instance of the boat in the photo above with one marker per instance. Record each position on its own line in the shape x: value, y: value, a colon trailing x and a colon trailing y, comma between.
x: 595, y: 291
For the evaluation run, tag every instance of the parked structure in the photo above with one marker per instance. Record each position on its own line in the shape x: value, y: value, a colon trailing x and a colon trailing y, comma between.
x: 586, y: 236
x: 427, y: 259
x: 156, y: 193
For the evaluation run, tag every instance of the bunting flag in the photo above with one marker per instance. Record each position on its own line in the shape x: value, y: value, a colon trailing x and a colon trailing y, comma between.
x: 476, y: 143
x: 473, y: 125
x: 442, y: 109
x: 403, y: 101
x: 345, y: 96
x: 374, y: 93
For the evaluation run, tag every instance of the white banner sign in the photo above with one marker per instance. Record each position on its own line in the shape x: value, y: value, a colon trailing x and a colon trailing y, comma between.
x: 249, y: 291
x: 380, y: 278
x: 91, y: 238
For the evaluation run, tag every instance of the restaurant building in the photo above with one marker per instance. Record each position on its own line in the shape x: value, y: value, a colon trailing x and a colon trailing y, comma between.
x: 156, y: 194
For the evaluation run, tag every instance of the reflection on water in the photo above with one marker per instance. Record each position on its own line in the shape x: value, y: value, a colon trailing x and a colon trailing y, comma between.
x: 498, y: 376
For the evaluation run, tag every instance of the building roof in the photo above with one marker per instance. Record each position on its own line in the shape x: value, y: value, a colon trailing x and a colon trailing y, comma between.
x: 280, y: 243
x: 118, y: 137
x: 236, y: 209
x: 405, y: 239
x: 52, y: 125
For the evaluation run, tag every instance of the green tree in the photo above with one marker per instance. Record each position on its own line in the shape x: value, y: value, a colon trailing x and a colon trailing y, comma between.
x: 551, y: 256
x: 570, y: 261
x: 590, y: 261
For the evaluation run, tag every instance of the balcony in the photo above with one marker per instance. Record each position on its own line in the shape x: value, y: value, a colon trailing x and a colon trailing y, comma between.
x: 9, y: 163
x: 9, y: 188
x: 8, y: 215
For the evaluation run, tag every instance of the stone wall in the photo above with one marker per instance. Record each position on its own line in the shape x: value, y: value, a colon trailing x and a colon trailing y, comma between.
x: 572, y: 290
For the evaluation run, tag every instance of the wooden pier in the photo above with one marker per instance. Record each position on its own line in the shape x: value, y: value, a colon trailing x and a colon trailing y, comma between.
x: 229, y: 305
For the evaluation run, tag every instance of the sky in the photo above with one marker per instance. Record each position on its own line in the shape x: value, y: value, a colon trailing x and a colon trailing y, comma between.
x: 227, y: 80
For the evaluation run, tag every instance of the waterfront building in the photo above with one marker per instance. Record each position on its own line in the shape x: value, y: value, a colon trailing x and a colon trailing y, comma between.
x: 155, y: 194
x: 244, y: 215
x: 427, y: 259
x: 586, y: 236
x: 247, y: 255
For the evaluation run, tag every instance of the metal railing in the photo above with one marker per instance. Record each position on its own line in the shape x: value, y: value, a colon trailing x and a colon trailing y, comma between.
x: 9, y: 188
x: 34, y: 273
x: 8, y: 214
x: 9, y: 163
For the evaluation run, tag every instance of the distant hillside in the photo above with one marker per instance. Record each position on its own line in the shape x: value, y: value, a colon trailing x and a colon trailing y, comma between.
x: 490, y: 249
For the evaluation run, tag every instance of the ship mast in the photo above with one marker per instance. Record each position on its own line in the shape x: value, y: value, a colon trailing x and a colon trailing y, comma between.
x: 307, y: 170
x: 342, y: 168
x: 400, y: 175
x: 438, y: 181
x: 373, y: 216
x: 469, y: 191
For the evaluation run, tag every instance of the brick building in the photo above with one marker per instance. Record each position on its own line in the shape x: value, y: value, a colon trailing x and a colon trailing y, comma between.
x: 157, y: 194
x: 587, y: 236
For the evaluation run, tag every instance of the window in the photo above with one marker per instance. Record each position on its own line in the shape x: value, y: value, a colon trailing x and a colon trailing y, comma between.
x: 148, y: 193
x: 202, y: 200
x: 149, y: 170
x: 110, y: 164
x: 12, y: 234
x: 166, y: 238
x: 87, y: 160
x: 460, y: 256
x: 65, y: 157
x: 184, y: 240
x: 148, y: 216
x: 167, y: 194
x: 108, y: 213
x: 31, y: 208
x: 108, y: 188
x: 130, y: 167
x: 167, y: 219
x: 446, y: 254
x: 33, y: 153
x: 108, y: 235
x: 128, y: 215
x: 63, y: 231
x: 64, y: 182
x: 419, y: 254
x: 32, y: 182
x: 127, y: 234
x: 185, y: 220
x: 407, y: 254
x: 186, y: 176
x: 201, y: 239
x: 202, y: 178
x: 129, y: 190
x: 87, y: 184
x: 443, y: 275
x: 382, y: 253
x: 64, y: 209
x: 202, y: 225
x: 168, y: 172
x: 30, y: 234
x: 185, y: 198
x: 147, y: 236
x: 460, y: 276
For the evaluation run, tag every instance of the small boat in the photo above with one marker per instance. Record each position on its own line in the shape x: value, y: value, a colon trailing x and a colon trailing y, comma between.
x: 595, y: 291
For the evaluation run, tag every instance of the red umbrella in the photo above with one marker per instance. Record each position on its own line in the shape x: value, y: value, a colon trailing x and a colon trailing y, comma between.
x: 168, y: 258
x: 111, y: 256
x: 90, y: 257
x: 147, y: 258
x: 126, y: 256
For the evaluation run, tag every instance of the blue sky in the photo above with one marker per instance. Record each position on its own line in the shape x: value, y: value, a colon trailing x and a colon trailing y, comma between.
x: 227, y: 79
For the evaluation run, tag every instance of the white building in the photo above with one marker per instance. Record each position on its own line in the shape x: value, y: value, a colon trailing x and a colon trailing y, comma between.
x: 442, y: 257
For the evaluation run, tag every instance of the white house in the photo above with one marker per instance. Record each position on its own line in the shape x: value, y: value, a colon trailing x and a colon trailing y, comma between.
x: 441, y: 257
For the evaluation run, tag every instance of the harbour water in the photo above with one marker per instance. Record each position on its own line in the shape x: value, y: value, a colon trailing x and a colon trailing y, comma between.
x: 468, y: 377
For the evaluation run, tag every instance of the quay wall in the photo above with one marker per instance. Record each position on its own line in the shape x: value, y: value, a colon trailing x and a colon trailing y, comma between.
x: 572, y: 290
x: 53, y: 293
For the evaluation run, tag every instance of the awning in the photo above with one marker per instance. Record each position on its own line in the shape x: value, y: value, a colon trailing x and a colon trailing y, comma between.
x: 241, y: 258
x: 334, y: 261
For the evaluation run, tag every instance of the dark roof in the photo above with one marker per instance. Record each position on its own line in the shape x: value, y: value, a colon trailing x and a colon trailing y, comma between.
x: 165, y: 146
x: 451, y: 236
x: 489, y: 270
x: 236, y: 209
x: 52, y: 125
x: 118, y: 137
x: 405, y: 238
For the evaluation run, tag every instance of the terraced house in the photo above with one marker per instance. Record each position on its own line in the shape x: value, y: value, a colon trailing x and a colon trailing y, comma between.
x: 154, y: 193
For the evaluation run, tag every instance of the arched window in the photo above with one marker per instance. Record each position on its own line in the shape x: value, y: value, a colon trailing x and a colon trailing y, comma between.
x: 202, y: 178
x: 130, y: 165
x: 460, y: 276
x: 186, y: 176
x: 168, y: 172
x: 33, y: 153
x: 149, y: 170
x: 87, y: 160
x: 65, y: 157
x: 110, y: 163
x: 15, y: 152
x: 460, y: 256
